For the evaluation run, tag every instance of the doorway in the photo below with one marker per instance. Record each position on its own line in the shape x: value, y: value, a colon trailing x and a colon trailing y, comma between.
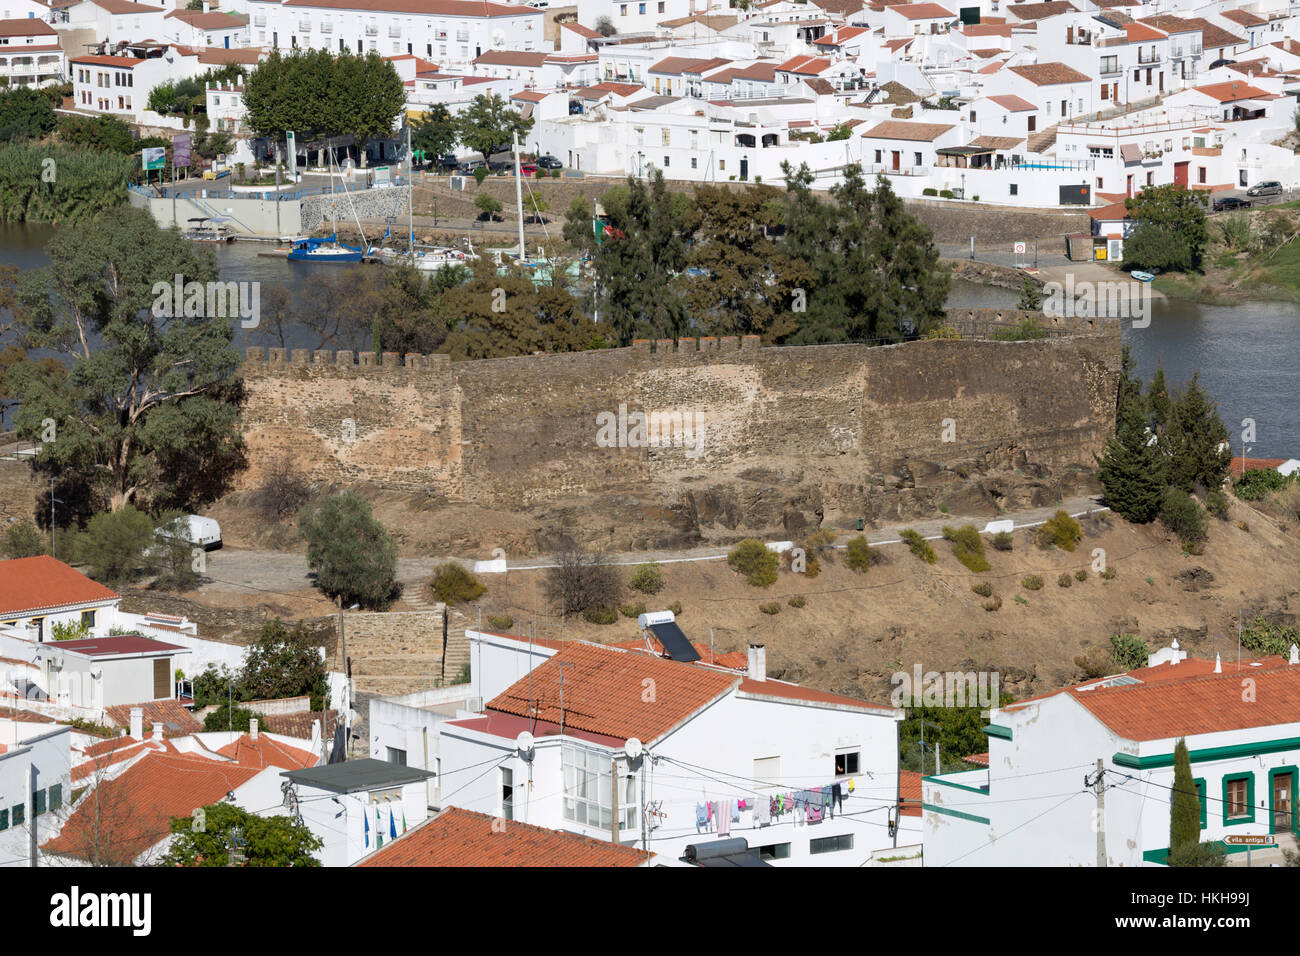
x: 1283, y: 790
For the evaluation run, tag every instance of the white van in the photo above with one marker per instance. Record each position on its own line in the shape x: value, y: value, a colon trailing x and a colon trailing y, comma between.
x: 204, y: 532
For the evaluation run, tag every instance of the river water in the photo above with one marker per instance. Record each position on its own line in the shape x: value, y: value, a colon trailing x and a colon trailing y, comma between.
x: 1248, y: 355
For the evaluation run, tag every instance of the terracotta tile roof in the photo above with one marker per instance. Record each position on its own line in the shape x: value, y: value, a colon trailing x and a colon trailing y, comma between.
x: 804, y: 65
x: 677, y: 65
x: 923, y: 11
x: 1040, y: 11
x: 764, y: 72
x: 212, y: 20
x: 1009, y: 101
x: 1213, y: 35
x: 463, y: 838
x: 122, y: 818
x: 511, y: 58
x: 104, y: 762
x: 1230, y: 91
x: 842, y: 35
x: 895, y: 45
x: 1239, y: 464
x: 1243, y: 18
x: 776, y: 688
x: 529, y: 96
x: 979, y: 760
x: 265, y: 752
x: 176, y: 720
x: 27, y: 716
x: 578, y: 28
x: 25, y: 27
x: 600, y: 89
x: 1112, y: 213
x: 820, y: 87
x: 299, y: 725
x: 1141, y: 33
x: 987, y: 30
x: 450, y: 8
x: 120, y: 7
x: 246, y: 55
x: 736, y: 660
x: 1049, y: 74
x: 115, y: 644
x: 1169, y: 23
x: 909, y: 792
x: 108, y: 746
x: 605, y: 692
x: 1200, y: 705
x: 40, y: 583
x: 914, y: 132
x: 995, y: 142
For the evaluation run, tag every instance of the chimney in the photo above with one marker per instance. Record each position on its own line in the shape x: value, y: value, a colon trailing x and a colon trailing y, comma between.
x: 207, y: 7
x: 757, y: 662
x: 137, y: 723
x: 157, y: 732
x: 1218, y: 664
x: 252, y: 728
x: 1295, y: 655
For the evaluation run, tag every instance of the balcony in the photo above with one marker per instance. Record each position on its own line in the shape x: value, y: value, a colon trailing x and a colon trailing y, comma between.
x: 372, y: 30
x: 1149, y: 57
x: 259, y: 21
x: 395, y: 31
x: 304, y: 26
x: 327, y: 28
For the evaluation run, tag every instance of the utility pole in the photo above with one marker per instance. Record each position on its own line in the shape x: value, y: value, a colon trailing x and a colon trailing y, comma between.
x: 519, y: 199
x: 347, y: 683
x: 1100, y: 786
x: 31, y: 820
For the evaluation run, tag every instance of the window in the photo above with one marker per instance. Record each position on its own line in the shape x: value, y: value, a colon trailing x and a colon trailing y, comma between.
x: 1239, y: 798
x: 4, y: 820
x: 661, y: 6
x: 1200, y: 796
x: 847, y: 763
x: 1109, y: 64
x: 831, y: 844
x: 38, y: 798
x: 878, y: 156
x: 507, y: 793
x: 722, y: 164
x: 693, y: 162
x: 640, y: 8
x: 773, y: 851
x: 587, y: 782
x: 19, y: 814
x: 665, y: 137
x: 917, y: 159
x: 1013, y: 190
x: 665, y: 162
x: 396, y: 756
x: 622, y: 9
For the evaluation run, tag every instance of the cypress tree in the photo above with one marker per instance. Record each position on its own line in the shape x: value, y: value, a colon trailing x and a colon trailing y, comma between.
x: 1158, y: 403
x: 1132, y: 470
x: 1195, y: 435
x: 1185, y: 813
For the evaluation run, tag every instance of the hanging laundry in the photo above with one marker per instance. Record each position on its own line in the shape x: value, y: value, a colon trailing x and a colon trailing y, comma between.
x: 837, y: 795
x: 742, y: 804
x: 724, y: 818
x: 762, y: 812
x: 701, y: 817
x: 815, y: 813
x: 735, y: 810
x: 774, y: 806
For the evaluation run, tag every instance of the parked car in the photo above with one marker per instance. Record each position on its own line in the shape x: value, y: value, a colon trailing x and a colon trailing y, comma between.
x: 529, y: 169
x: 539, y: 4
x: 549, y: 162
x: 501, y: 167
x: 1229, y: 203
x: 469, y: 165
x: 1269, y: 187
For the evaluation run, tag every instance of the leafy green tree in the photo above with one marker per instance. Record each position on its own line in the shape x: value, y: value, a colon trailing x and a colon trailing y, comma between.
x: 742, y: 282
x: 150, y: 411
x: 25, y: 113
x: 876, y: 271
x: 1196, y: 441
x: 353, y: 556
x: 115, y: 543
x: 488, y: 125
x: 1129, y: 651
x: 959, y: 734
x: 22, y: 540
x: 434, y: 132
x: 535, y: 205
x: 1170, y: 231
x: 756, y: 561
x: 261, y: 841
x: 172, y: 554
x: 1131, y: 470
x: 284, y: 662
x: 101, y: 132
x: 229, y: 717
x: 488, y: 205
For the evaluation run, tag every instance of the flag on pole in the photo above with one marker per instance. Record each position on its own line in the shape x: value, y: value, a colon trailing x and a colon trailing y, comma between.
x: 379, y: 830
x: 366, y: 818
x: 392, y: 824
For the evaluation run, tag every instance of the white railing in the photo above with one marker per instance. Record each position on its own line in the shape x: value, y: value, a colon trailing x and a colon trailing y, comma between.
x: 327, y: 28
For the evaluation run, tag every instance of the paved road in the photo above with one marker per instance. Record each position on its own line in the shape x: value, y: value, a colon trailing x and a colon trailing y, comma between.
x: 272, y: 572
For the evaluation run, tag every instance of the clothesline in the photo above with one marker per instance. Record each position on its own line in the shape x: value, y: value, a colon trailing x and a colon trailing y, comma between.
x: 808, y: 806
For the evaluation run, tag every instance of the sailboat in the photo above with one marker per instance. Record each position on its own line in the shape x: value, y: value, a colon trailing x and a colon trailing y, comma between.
x: 423, y: 258
x: 539, y: 268
x: 328, y: 249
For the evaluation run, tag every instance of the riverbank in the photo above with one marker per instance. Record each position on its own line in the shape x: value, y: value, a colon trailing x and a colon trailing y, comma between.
x: 1256, y: 257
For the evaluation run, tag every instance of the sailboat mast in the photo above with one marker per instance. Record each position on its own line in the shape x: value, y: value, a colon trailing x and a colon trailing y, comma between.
x: 519, y: 199
x: 410, y: 184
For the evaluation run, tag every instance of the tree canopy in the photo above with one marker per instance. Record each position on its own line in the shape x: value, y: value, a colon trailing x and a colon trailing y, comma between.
x: 1171, y: 233
x: 207, y: 839
x: 488, y: 124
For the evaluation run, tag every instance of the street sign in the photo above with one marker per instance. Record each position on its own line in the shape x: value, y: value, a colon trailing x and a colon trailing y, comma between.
x: 1020, y: 248
x: 181, y: 149
x: 1250, y: 841
x: 154, y: 157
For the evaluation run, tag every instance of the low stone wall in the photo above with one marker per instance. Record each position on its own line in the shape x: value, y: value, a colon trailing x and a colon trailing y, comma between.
x: 368, y: 204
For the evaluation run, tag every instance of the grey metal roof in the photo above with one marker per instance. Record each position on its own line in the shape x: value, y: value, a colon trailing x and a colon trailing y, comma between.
x: 353, y: 775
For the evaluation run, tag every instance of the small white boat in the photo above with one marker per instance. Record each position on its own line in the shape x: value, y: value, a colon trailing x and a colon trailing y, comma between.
x: 428, y: 259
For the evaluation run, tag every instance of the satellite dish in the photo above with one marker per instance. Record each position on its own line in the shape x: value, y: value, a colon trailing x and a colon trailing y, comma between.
x: 498, y: 38
x: 524, y: 742
x: 633, y: 748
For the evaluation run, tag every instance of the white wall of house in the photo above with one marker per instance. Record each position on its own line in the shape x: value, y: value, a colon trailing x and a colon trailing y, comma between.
x: 47, y: 751
x: 340, y: 819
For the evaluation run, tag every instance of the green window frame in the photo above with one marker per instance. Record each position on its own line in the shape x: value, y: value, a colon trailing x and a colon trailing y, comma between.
x: 38, y: 798
x: 56, y: 797
x: 19, y: 814
x: 1200, y: 797
x: 1295, y: 783
x: 1249, y: 816
x: 4, y: 820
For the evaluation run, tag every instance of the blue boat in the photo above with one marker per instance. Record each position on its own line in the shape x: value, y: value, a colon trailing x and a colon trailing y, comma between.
x: 1141, y: 276
x: 328, y: 249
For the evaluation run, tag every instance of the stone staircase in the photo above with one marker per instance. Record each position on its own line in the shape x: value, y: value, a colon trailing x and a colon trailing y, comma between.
x: 396, y: 652
x: 1041, y: 141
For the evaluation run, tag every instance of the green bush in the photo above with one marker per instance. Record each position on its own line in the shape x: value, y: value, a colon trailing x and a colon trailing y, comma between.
x: 1264, y: 637
x: 600, y: 615
x: 647, y: 578
x: 226, y: 717
x: 967, y: 547
x: 756, y: 561
x: 22, y: 540
x: 632, y: 610
x: 983, y: 589
x: 918, y: 545
x: 945, y: 194
x: 929, y: 191
x: 797, y: 601
x: 859, y: 554
x: 1003, y: 541
x: 480, y: 174
x: 1060, y: 531
x: 501, y: 622
x: 352, y: 554
x: 1257, y: 482
x: 555, y: 174
x: 1081, y: 574
x: 1216, y: 503
x: 771, y: 608
x: 452, y: 584
x: 114, y: 544
x: 1032, y: 583
x: 1129, y: 650
x: 1064, y: 581
x: 1180, y: 513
